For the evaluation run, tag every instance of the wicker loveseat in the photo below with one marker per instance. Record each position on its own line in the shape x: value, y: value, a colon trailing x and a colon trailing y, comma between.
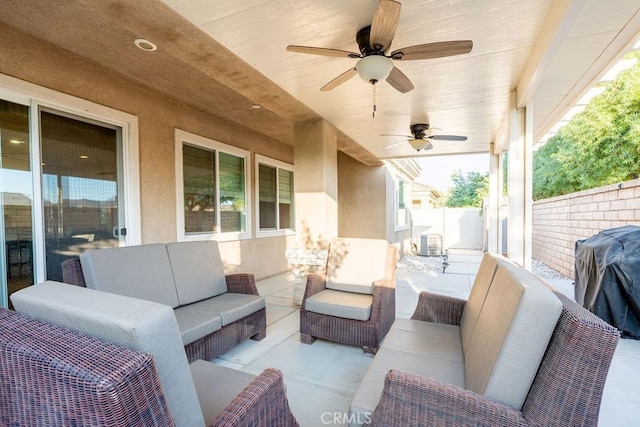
x: 215, y: 312
x: 496, y: 359
x: 75, y: 356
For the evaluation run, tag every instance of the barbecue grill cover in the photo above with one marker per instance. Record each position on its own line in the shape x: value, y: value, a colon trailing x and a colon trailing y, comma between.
x: 607, y: 277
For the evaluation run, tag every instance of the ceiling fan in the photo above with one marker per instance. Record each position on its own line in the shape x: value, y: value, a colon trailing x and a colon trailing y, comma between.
x: 421, y: 137
x: 374, y: 41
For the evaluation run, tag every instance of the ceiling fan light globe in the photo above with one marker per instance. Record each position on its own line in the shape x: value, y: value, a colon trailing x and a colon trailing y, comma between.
x: 374, y: 68
x: 419, y: 143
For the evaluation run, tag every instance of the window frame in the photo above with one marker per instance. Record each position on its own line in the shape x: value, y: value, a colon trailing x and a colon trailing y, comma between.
x: 181, y: 138
x: 259, y: 159
x: 399, y: 182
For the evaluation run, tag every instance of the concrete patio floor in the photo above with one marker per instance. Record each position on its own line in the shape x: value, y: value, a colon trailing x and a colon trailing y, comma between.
x: 321, y: 378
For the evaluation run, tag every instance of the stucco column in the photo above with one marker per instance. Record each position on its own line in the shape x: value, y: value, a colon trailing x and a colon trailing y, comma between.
x: 520, y: 182
x: 316, y: 179
x: 494, y: 226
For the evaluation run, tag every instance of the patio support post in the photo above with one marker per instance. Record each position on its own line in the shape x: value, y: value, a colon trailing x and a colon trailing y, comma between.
x: 494, y: 226
x: 316, y: 179
x: 520, y: 182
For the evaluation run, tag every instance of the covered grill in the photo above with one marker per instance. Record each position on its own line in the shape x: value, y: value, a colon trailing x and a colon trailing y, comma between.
x: 607, y: 277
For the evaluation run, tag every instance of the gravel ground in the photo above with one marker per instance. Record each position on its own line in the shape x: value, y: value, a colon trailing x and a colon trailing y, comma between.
x: 414, y: 263
x: 420, y: 263
x: 543, y: 271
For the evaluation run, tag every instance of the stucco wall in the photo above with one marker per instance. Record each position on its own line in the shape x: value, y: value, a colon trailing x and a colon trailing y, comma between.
x: 560, y: 221
x: 361, y: 199
x: 32, y: 60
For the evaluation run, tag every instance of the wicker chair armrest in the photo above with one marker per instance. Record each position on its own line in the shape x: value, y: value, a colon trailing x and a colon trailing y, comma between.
x: 413, y: 400
x: 262, y: 403
x: 439, y: 309
x: 316, y: 282
x: 241, y: 283
x: 384, y: 299
x: 72, y: 272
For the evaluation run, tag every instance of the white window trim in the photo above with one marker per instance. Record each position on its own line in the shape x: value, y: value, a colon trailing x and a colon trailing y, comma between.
x: 396, y: 200
x: 182, y: 137
x: 35, y: 97
x: 259, y: 159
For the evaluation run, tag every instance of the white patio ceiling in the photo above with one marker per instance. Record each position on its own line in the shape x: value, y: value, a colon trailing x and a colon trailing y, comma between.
x: 551, y: 52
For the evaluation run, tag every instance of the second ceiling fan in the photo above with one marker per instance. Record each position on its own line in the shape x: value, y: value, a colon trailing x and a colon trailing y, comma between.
x: 374, y: 41
x: 421, y: 137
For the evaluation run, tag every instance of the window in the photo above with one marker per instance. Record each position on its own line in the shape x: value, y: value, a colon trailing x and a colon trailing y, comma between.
x: 275, y: 196
x: 402, y: 213
x: 212, y: 192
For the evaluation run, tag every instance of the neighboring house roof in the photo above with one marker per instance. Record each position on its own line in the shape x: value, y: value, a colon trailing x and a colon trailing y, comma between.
x: 419, y: 188
x: 15, y: 199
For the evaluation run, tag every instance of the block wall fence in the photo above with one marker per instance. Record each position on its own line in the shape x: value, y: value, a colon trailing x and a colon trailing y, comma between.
x: 560, y: 221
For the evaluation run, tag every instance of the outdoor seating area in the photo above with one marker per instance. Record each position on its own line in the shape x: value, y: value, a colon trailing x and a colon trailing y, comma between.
x: 421, y: 374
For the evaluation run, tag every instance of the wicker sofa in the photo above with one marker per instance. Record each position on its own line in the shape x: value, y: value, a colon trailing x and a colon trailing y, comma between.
x: 214, y: 311
x: 514, y: 354
x: 76, y: 356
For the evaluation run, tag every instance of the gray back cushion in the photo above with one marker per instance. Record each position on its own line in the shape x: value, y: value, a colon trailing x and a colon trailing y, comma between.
x: 354, y: 264
x: 137, y: 324
x: 477, y: 296
x: 511, y: 335
x: 197, y: 270
x: 135, y: 271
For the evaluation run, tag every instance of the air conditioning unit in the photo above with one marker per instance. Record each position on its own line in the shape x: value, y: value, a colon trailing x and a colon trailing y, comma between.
x: 430, y: 244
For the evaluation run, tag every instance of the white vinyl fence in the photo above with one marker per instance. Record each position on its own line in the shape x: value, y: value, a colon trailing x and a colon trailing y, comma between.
x: 459, y: 228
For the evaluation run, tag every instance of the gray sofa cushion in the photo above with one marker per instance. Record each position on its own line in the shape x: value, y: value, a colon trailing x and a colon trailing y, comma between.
x: 347, y: 305
x: 511, y: 335
x: 425, y: 338
x: 217, y: 386
x: 369, y: 391
x: 135, y: 271
x: 354, y: 264
x: 197, y: 270
x: 195, y: 323
x: 137, y: 324
x: 231, y: 307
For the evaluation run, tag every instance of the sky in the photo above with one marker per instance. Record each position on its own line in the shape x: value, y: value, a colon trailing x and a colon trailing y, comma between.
x: 437, y: 170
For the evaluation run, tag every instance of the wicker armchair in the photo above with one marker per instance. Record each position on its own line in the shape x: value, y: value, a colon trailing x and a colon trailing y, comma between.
x: 566, y: 391
x: 359, y: 272
x: 95, y: 359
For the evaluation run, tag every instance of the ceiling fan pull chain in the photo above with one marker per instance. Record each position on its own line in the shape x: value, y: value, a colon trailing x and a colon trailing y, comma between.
x: 374, y: 101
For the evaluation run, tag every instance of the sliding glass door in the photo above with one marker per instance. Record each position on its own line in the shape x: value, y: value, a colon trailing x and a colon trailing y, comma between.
x: 81, y: 187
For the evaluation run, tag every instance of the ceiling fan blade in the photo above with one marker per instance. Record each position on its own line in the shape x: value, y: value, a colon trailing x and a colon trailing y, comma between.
x: 448, y: 138
x: 400, y: 136
x: 383, y: 26
x: 323, y: 51
x: 399, y: 80
x: 433, y: 50
x: 339, y: 80
x: 394, y: 144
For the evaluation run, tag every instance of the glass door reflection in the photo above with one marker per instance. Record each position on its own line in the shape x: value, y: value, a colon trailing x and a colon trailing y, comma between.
x: 80, y: 188
x: 16, y: 201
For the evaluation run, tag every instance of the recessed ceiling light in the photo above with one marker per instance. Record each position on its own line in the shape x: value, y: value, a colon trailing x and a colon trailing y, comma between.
x: 84, y: 156
x: 16, y: 141
x: 146, y: 45
x: 256, y: 106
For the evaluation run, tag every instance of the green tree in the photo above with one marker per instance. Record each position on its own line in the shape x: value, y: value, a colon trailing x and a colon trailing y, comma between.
x: 468, y: 190
x: 599, y: 146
